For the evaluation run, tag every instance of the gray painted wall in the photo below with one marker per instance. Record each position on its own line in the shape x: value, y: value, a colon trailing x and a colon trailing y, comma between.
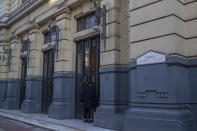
x: 155, y: 97
x: 3, y: 92
x: 160, y: 96
x: 139, y: 98
x: 13, y: 93
x: 193, y: 90
x: 63, y: 105
x: 113, y: 97
x: 33, y: 95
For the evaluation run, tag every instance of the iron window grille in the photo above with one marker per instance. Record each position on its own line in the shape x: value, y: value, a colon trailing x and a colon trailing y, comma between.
x: 9, y: 53
x: 52, y: 35
x: 4, y: 51
x: 86, y: 22
x: 25, y: 46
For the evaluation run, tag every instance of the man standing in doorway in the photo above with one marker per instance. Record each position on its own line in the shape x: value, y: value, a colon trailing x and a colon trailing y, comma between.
x: 89, y: 100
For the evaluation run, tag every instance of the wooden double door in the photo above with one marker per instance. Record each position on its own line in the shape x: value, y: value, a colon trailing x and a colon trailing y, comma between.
x: 87, y: 69
x: 47, y: 87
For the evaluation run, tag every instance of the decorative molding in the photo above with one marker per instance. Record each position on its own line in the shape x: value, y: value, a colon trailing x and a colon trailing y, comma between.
x: 151, y: 57
x: 48, y: 46
x: 85, y: 34
x: 186, y: 3
x: 21, y: 11
x: 62, y: 11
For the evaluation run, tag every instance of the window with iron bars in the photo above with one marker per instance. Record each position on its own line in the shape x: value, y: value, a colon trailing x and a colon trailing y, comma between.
x: 86, y: 22
x: 50, y: 36
x: 24, y: 46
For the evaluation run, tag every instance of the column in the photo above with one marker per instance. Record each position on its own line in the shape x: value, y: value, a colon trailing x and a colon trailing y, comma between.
x: 113, y: 75
x: 3, y: 65
x: 33, y: 94
x: 13, y: 86
x: 62, y: 106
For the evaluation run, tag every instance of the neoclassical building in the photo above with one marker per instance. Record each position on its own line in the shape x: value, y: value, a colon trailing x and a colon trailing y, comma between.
x: 140, y: 55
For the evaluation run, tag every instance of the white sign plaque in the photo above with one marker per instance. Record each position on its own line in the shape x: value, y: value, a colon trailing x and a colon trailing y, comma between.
x: 151, y: 58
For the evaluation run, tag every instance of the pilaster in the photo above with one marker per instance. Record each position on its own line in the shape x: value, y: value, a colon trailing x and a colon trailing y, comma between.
x: 63, y: 102
x: 32, y: 102
x: 113, y: 78
x: 13, y: 86
x: 4, y: 42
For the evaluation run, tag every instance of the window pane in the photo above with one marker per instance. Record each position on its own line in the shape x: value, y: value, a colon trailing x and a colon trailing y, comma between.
x: 25, y: 45
x: 46, y: 38
x: 92, y: 21
x: 78, y: 25
x: 86, y: 22
x: 53, y: 36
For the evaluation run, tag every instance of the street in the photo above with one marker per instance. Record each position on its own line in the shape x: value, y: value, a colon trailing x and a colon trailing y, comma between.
x: 11, y: 125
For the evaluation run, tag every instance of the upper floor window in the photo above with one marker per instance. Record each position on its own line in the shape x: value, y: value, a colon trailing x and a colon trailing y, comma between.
x: 86, y: 22
x: 50, y: 36
x: 24, y: 45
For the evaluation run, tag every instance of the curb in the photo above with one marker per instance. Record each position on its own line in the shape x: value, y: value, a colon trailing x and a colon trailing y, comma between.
x: 39, y: 123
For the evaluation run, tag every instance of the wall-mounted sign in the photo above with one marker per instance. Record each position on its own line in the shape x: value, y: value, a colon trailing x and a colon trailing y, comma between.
x: 151, y: 57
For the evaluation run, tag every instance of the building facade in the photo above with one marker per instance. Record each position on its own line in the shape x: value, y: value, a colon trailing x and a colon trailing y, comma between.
x: 145, y: 73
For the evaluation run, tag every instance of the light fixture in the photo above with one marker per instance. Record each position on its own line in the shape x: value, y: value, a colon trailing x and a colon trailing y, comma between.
x: 101, y: 12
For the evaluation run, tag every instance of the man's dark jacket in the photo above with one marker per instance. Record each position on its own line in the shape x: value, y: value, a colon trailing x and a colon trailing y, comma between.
x: 88, y: 97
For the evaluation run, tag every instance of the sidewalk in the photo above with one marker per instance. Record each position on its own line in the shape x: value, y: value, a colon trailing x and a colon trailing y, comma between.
x: 42, y: 120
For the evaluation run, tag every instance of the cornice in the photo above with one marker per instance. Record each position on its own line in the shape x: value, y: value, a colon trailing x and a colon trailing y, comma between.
x: 21, y: 11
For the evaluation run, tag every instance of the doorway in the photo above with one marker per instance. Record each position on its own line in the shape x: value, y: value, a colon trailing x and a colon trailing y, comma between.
x: 47, y: 88
x: 23, y: 81
x: 87, y: 69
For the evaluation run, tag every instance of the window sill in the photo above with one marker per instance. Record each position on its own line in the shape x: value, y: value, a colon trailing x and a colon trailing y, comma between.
x: 48, y: 46
x: 86, y: 33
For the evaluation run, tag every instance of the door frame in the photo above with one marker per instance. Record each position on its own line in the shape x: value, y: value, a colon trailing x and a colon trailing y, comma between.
x: 45, y: 90
x: 23, y: 81
x: 82, y: 49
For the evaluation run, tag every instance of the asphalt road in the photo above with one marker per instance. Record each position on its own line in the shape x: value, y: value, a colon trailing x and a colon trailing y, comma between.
x: 11, y: 125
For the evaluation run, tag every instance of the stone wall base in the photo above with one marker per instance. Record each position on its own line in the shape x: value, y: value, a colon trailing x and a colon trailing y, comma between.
x: 59, y: 110
x: 30, y: 106
x: 151, y: 119
x: 63, y: 104
x: 32, y: 102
